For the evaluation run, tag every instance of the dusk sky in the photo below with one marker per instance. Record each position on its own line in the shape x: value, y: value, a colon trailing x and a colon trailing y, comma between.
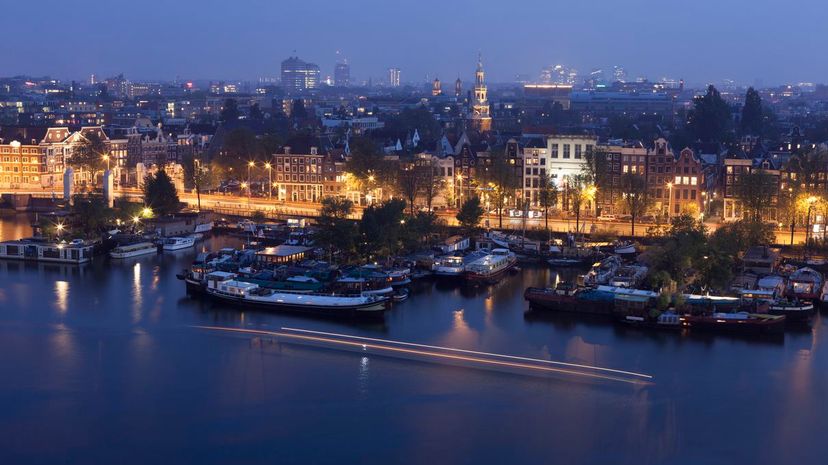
x: 700, y: 41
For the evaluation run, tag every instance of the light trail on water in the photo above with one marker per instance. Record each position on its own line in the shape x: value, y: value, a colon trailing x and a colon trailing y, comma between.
x: 413, y: 350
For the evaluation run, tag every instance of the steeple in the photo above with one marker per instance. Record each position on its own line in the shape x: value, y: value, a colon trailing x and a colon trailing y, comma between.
x: 480, y: 107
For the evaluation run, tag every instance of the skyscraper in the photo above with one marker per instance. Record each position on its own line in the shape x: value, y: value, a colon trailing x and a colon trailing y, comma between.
x: 394, y: 77
x: 298, y: 75
x: 436, y: 88
x: 342, y: 75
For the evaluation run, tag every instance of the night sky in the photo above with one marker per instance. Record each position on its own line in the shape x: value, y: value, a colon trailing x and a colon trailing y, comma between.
x: 700, y: 40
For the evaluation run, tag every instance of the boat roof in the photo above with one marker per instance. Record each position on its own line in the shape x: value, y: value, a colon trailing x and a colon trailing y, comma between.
x: 222, y: 274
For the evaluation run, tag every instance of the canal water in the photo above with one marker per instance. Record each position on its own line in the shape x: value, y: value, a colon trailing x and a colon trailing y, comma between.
x: 102, y: 364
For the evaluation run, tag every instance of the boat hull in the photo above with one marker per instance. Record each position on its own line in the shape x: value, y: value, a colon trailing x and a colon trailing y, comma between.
x: 549, y: 300
x: 370, y: 309
x: 713, y: 324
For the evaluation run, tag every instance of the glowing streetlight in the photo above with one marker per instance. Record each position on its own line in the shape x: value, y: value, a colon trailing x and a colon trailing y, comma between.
x: 269, y: 181
x: 670, y: 200
x: 146, y: 212
x: 105, y: 158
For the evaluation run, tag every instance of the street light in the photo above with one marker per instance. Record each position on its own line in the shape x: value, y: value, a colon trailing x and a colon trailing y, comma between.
x: 106, y: 159
x: 59, y: 229
x: 146, y: 212
x: 670, y: 200
x: 250, y: 165
x: 811, y: 201
x: 269, y: 181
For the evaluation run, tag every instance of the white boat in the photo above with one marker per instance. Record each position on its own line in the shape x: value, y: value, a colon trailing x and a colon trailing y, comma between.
x: 134, y: 250
x: 76, y: 252
x: 625, y: 249
x: 805, y: 283
x: 451, y: 266
x: 178, y: 243
x: 204, y: 228
x: 628, y: 276
x: 491, y: 267
x: 224, y: 286
x: 603, y: 271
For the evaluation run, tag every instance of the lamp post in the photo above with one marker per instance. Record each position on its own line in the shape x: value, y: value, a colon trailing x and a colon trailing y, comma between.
x: 670, y: 200
x: 250, y: 165
x: 269, y: 180
x: 811, y: 200
x: 459, y: 190
x: 59, y: 229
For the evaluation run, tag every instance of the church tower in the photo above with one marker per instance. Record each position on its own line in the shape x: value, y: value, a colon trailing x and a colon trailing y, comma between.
x: 481, y: 118
x: 436, y: 89
x: 458, y: 89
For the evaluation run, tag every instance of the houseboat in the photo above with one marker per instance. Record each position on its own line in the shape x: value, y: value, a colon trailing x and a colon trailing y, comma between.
x: 805, y: 284
x: 134, y: 250
x: 37, y: 250
x: 491, y: 267
x: 603, y: 271
x: 738, y: 322
x: 178, y: 243
x: 224, y: 286
x: 567, y: 297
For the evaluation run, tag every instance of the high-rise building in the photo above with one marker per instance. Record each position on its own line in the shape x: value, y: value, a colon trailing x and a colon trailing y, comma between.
x: 342, y: 75
x: 394, y: 77
x: 299, y: 75
x: 458, y: 88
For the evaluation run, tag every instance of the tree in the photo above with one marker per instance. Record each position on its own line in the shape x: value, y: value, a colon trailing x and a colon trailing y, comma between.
x: 410, y: 186
x: 755, y: 190
x: 230, y: 111
x: 752, y: 114
x: 90, y: 153
x: 634, y: 196
x: 90, y: 214
x: 336, y: 231
x: 596, y: 167
x: 298, y: 111
x: 239, y: 147
x: 470, y: 214
x: 547, y: 197
x: 709, y: 121
x: 579, y: 192
x: 201, y: 176
x: 380, y: 228
x: 432, y: 184
x: 160, y: 194
x: 502, y: 179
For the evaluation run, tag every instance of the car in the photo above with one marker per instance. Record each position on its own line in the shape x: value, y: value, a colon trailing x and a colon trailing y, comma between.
x: 607, y: 218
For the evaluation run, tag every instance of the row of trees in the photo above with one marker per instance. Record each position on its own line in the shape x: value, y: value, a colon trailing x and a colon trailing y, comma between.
x: 690, y: 257
x: 384, y: 230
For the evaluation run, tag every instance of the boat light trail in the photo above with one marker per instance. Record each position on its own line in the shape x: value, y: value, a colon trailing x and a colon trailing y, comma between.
x: 412, y: 350
x: 486, y: 354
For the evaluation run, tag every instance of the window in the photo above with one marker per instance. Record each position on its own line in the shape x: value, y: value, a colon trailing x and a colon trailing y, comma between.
x: 694, y: 181
x: 566, y: 150
x: 678, y: 180
x: 554, y: 150
x: 693, y: 194
x: 528, y: 171
x: 578, y: 151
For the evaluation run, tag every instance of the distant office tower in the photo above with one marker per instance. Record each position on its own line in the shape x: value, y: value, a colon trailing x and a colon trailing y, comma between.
x: 298, y: 75
x: 458, y: 88
x: 342, y: 75
x: 394, y: 77
x: 619, y: 74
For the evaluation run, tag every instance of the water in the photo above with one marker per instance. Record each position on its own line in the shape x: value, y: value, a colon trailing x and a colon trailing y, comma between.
x: 100, y: 364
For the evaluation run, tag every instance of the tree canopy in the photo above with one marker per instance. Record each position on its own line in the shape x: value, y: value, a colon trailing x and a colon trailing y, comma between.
x: 752, y: 114
x: 160, y: 194
x: 470, y: 215
x: 710, y: 119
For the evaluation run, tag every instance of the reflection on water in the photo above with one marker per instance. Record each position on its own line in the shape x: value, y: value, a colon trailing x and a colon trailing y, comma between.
x: 105, y: 355
x: 62, y: 296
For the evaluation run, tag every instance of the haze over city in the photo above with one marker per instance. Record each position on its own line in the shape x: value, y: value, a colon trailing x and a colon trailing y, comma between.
x: 703, y: 41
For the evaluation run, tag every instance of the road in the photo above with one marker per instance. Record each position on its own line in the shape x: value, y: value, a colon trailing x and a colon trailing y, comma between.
x: 242, y: 206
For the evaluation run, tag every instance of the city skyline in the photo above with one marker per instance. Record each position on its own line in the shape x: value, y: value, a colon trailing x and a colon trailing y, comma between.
x: 653, y: 46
